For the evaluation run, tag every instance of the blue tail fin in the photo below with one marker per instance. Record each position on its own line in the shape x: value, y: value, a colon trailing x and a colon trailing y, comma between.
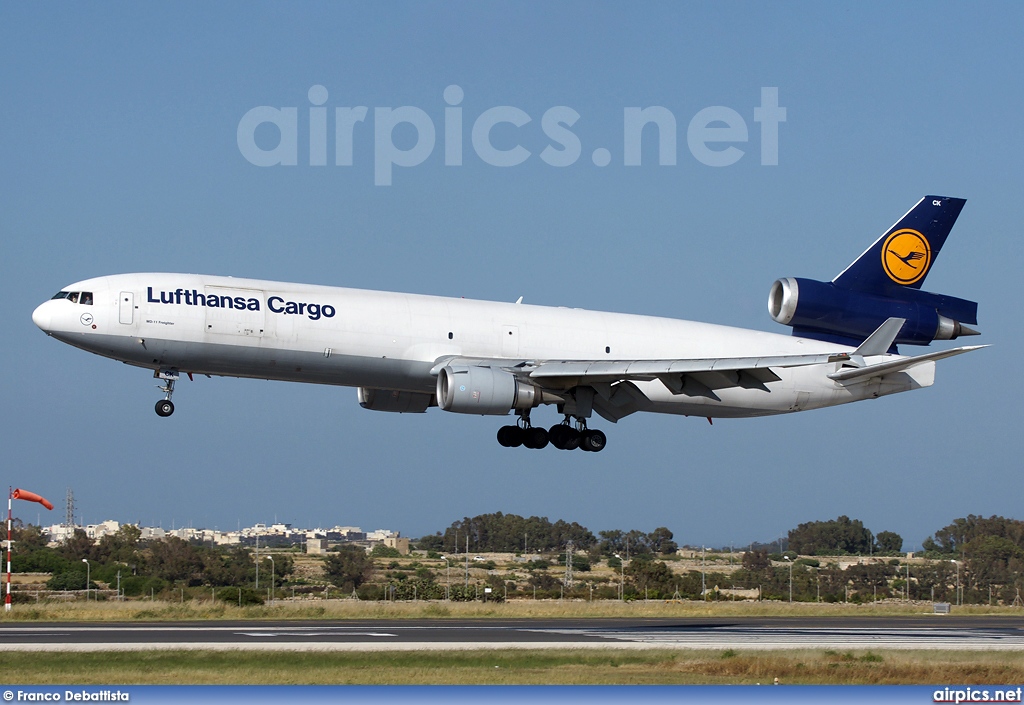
x: 902, y: 257
x: 883, y: 283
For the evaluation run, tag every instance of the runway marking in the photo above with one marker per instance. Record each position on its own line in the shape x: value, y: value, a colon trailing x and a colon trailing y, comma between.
x: 312, y: 633
x: 787, y: 638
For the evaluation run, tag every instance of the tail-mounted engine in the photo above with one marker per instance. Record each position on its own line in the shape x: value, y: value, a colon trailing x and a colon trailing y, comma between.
x: 825, y: 311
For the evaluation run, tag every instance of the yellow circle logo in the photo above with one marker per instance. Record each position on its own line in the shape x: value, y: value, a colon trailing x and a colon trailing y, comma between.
x: 906, y: 256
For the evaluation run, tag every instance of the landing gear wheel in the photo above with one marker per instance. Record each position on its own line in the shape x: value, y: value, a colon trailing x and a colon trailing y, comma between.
x: 564, y: 437
x: 510, y: 436
x: 593, y: 441
x: 555, y: 435
x: 535, y: 438
x: 164, y: 408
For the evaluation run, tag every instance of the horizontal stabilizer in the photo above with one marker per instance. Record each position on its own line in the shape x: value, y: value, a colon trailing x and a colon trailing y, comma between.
x: 898, y: 365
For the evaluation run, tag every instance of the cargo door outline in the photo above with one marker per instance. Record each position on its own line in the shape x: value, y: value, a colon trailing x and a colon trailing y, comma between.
x: 126, y: 307
x: 230, y: 320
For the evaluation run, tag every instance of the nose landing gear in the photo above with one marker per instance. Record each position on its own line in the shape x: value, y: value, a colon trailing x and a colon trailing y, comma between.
x: 165, y: 407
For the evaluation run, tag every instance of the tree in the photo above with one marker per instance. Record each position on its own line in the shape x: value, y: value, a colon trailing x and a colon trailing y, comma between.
x: 349, y: 568
x: 77, y: 546
x: 70, y: 579
x: 820, y: 538
x: 653, y: 576
x: 889, y: 542
x: 431, y: 542
x: 509, y: 532
x: 634, y: 542
x: 174, y: 559
x: 757, y: 560
x: 951, y: 539
x: 661, y: 541
x: 122, y: 546
x: 382, y: 551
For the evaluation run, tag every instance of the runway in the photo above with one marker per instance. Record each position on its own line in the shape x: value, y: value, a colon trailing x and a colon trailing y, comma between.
x: 944, y: 632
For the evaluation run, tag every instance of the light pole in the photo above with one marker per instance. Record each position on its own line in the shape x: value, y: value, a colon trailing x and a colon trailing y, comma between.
x: 273, y: 568
x: 86, y: 561
x: 703, y: 583
x: 959, y: 597
x: 790, y: 560
x: 622, y: 578
x: 448, y: 579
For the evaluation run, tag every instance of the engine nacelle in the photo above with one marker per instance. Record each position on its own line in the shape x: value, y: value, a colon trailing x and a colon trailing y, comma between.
x: 394, y: 400
x: 484, y: 391
x: 825, y: 311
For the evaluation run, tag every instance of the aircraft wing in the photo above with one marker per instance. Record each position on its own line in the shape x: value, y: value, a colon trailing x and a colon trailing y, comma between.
x: 614, y: 395
x: 692, y: 377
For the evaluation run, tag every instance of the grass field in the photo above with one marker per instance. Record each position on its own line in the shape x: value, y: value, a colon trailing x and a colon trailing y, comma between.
x: 518, y: 609
x: 555, y: 667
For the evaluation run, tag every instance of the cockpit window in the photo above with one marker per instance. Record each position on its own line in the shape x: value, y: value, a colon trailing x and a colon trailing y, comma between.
x: 83, y: 297
x: 75, y: 297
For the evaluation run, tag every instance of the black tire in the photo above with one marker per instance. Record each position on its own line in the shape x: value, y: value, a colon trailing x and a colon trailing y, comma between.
x: 556, y: 435
x: 514, y: 436
x: 572, y: 438
x: 164, y: 408
x: 535, y: 438
x: 594, y: 441
x: 503, y: 436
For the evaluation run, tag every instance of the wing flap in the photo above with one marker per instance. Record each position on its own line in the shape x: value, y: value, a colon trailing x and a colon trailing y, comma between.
x: 649, y: 369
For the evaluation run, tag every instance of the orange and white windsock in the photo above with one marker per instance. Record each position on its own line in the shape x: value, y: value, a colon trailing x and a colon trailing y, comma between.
x: 31, y: 497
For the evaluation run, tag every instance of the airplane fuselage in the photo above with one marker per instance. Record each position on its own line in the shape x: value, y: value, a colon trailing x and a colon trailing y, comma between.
x: 392, y: 341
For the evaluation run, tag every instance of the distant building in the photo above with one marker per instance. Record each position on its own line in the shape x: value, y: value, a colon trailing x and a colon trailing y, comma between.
x: 316, y: 546
x: 397, y: 543
x: 98, y: 531
x: 380, y: 535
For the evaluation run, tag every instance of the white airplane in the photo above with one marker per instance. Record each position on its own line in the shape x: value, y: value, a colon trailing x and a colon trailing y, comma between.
x: 405, y: 352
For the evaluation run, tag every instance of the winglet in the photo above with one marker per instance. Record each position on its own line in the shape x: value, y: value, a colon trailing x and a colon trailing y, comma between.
x: 879, y: 342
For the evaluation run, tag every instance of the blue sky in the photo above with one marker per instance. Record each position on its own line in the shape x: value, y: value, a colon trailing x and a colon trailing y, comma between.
x: 120, y: 154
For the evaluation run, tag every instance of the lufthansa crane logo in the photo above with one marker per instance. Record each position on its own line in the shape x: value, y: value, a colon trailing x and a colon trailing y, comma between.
x: 906, y: 256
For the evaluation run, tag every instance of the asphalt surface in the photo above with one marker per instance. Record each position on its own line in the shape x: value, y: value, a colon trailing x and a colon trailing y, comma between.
x: 917, y: 632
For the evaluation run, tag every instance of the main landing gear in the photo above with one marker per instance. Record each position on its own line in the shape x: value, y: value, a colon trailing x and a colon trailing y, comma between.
x: 165, y: 407
x: 564, y: 436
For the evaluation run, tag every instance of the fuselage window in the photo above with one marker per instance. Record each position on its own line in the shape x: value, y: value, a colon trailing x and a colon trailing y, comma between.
x: 61, y: 295
x: 73, y: 297
x: 86, y: 298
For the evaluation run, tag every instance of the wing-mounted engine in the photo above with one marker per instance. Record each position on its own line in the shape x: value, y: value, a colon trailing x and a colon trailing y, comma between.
x: 884, y: 282
x: 485, y: 391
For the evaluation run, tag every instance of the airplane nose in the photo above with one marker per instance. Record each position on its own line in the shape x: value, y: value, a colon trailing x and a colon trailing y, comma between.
x: 41, y: 316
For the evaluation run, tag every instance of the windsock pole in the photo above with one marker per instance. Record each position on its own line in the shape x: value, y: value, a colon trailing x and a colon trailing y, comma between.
x: 7, y: 600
